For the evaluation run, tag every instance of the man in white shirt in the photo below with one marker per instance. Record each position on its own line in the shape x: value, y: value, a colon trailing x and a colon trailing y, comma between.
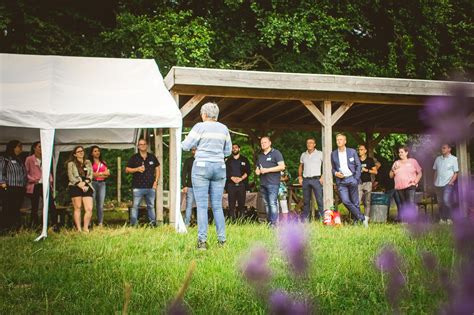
x: 446, y: 170
x: 309, y: 176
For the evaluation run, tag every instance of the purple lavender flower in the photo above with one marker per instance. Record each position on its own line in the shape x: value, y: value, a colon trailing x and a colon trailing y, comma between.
x: 388, y: 259
x: 282, y: 304
x: 177, y: 309
x: 256, y: 269
x: 418, y: 224
x: 294, y: 242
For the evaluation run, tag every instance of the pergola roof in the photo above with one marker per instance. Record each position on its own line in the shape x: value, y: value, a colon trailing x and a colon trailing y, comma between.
x: 270, y: 100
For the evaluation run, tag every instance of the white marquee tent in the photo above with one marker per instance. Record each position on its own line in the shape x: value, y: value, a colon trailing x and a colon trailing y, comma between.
x: 65, y: 101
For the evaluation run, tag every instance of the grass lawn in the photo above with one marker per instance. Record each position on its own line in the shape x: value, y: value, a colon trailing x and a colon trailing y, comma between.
x: 72, y: 273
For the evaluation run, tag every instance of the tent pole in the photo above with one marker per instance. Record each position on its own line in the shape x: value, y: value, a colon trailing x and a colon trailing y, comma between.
x: 158, y: 134
x: 47, y: 143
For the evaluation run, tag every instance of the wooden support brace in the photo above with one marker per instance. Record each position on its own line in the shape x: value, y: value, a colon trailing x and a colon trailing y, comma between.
x: 189, y: 106
x: 314, y: 110
x: 341, y: 111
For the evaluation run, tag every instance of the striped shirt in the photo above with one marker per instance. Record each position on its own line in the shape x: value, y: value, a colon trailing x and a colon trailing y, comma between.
x: 12, y: 172
x: 212, y: 140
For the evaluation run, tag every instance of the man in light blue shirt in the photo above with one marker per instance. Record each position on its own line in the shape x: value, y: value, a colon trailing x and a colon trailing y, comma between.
x: 445, y: 175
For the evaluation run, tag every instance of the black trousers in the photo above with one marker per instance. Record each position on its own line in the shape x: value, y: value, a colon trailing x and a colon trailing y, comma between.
x: 12, y: 201
x: 236, y: 193
x: 35, y: 198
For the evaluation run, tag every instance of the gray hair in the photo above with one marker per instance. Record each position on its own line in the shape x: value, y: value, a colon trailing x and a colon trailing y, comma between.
x: 211, y: 110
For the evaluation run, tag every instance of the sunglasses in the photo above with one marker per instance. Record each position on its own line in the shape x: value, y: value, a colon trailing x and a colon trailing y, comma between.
x: 79, y: 151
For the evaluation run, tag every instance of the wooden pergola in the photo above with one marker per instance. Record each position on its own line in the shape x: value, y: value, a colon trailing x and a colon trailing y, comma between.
x: 289, y: 101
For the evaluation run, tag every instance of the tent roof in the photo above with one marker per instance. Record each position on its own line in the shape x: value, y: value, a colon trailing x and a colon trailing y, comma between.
x: 56, y: 92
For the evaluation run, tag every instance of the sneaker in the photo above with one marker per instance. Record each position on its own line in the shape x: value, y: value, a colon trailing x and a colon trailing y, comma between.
x: 442, y: 221
x: 449, y: 221
x: 366, y: 222
x: 202, y: 245
x: 220, y: 243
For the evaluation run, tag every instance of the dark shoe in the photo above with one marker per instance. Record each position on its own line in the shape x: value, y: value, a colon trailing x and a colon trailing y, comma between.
x: 220, y: 243
x: 202, y: 245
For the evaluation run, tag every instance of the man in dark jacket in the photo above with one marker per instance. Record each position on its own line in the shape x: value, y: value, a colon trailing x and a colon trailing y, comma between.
x: 346, y: 167
x: 238, y: 170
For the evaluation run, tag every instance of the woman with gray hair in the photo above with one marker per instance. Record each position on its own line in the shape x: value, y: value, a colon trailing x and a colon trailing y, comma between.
x: 213, y: 143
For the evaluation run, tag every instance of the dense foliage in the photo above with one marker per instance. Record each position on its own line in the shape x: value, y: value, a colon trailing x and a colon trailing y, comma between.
x: 413, y: 39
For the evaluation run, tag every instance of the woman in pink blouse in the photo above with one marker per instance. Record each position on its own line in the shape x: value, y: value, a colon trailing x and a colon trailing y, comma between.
x: 100, y: 172
x: 407, y: 174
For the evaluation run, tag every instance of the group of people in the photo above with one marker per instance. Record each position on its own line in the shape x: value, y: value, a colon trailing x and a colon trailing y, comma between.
x: 20, y: 177
x: 207, y: 173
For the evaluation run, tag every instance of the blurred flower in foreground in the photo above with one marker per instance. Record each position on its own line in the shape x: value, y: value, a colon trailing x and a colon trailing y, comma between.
x: 282, y: 304
x: 294, y: 242
x: 255, y: 269
x: 388, y: 261
x: 418, y: 224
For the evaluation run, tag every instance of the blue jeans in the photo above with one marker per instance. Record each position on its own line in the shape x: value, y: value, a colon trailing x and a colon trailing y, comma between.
x: 312, y: 185
x: 392, y: 193
x: 209, y: 179
x: 138, y: 194
x: 189, y: 205
x: 348, y: 189
x: 270, y: 199
x: 99, y: 197
x: 444, y: 196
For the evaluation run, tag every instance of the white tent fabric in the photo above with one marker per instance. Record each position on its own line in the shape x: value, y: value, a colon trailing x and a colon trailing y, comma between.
x: 56, y: 94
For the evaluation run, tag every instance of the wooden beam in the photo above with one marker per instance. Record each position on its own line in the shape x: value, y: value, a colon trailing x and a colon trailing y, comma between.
x: 284, y: 112
x: 314, y: 110
x: 311, y: 127
x: 363, y: 111
x: 464, y: 175
x: 265, y: 109
x: 341, y: 111
x: 239, y: 108
x: 191, y: 104
x: 249, y: 93
x: 328, y: 192
x: 272, y: 81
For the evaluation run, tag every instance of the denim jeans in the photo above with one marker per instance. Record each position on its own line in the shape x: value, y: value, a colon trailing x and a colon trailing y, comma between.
x: 270, y: 199
x: 209, y: 180
x: 348, y: 189
x: 138, y: 194
x: 392, y: 193
x: 312, y: 185
x: 189, y: 205
x: 444, y: 196
x: 99, y: 198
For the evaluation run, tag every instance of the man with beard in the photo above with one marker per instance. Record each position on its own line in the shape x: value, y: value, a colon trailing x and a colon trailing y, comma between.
x: 238, y: 170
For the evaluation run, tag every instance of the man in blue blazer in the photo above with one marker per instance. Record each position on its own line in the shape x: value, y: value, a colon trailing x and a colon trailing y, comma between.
x: 346, y: 167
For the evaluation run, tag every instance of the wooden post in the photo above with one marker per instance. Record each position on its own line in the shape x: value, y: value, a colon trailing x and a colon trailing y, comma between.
x: 159, y: 155
x: 327, y: 119
x: 328, y: 191
x: 119, y: 179
x: 464, y: 175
